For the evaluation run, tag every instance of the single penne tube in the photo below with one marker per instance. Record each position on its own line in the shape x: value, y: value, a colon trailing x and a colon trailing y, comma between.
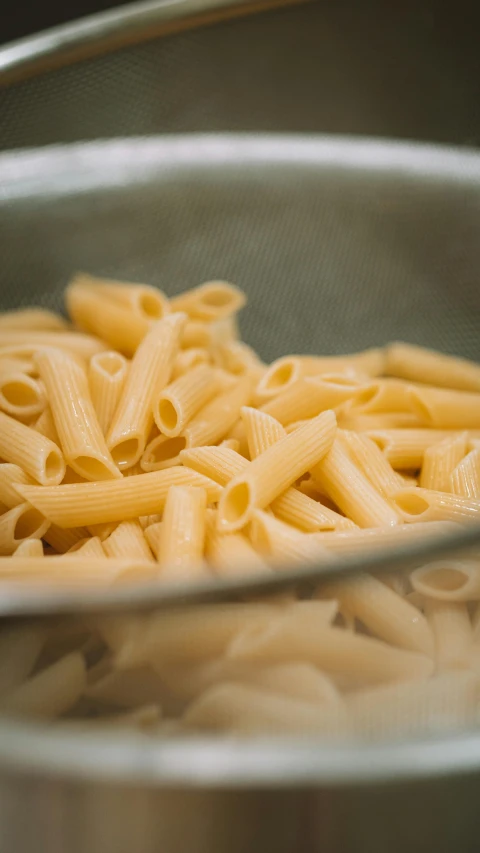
x: 20, y: 395
x: 300, y: 681
x: 103, y: 531
x: 188, y: 359
x: 333, y: 650
x: 262, y: 430
x: 370, y: 460
x: 307, y: 398
x: 351, y: 491
x: 196, y: 334
x: 81, y: 438
x: 452, y: 631
x: 153, y: 535
x: 20, y: 648
x: 110, y: 500
x: 21, y: 522
x: 284, y: 545
x: 94, y: 312
x: 348, y: 418
x: 440, y: 408
x: 383, y: 395
x: 386, y: 614
x: 149, y: 372
x: 241, y: 709
x: 283, y: 372
x: 274, y: 471
x: 162, y: 452
x: 446, y: 702
x: 231, y: 554
x: 405, y: 448
x: 448, y: 580
x: 49, y: 693
x: 33, y: 319
x: 425, y: 365
x: 38, y: 456
x: 63, y: 539
x: 10, y: 477
x: 440, y: 460
x: 210, y: 301
x: 141, y: 299
x: 182, y: 399
x: 185, y: 636
x: 29, y: 548
x: 415, y: 504
x: 182, y: 540
x: 127, y: 540
x: 221, y: 463
x: 464, y: 479
x: 354, y: 542
x: 295, y: 508
x: 107, y: 374
x: 83, y: 346
x: 236, y: 357
x: 72, y: 571
x: 216, y: 418
x: 45, y: 425
x: 87, y: 548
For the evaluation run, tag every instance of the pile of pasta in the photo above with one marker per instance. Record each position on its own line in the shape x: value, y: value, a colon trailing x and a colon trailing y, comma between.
x: 144, y: 440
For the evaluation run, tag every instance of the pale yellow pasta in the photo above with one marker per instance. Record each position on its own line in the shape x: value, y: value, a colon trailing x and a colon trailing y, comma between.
x: 306, y: 398
x: 32, y: 319
x: 87, y: 548
x: 219, y: 463
x: 448, y: 580
x: 210, y: 301
x: 309, y: 515
x: 356, y: 542
x: 464, y: 480
x: 348, y: 418
x: 415, y: 504
x: 231, y: 554
x: 446, y: 701
x: 70, y: 571
x: 213, y: 421
x: 29, y: 548
x: 20, y: 648
x: 162, y: 452
x: 127, y: 540
x: 149, y: 372
x: 334, y: 650
x: 284, y: 545
x: 300, y: 681
x: 195, y: 335
x: 424, y: 365
x: 62, y: 540
x: 182, y: 399
x: 382, y: 396
x: 11, y: 476
x: 188, y: 359
x: 37, y: 455
x: 405, y: 448
x: 370, y: 460
x: 17, y: 365
x: 452, y: 630
x: 182, y: 539
x: 385, y: 613
x: 440, y: 460
x: 81, y: 437
x: 82, y: 346
x: 348, y: 487
x: 107, y: 374
x: 20, y: 395
x: 283, y: 372
x: 274, y: 471
x: 45, y: 425
x: 111, y: 500
x: 230, y: 444
x: 142, y: 300
x: 126, y: 688
x: 153, y: 535
x: 49, y: 693
x: 446, y: 409
x: 261, y: 429
x: 21, y: 522
x: 103, y: 531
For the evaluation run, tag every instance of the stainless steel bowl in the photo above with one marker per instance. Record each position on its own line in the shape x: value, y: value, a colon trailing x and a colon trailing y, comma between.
x: 340, y: 244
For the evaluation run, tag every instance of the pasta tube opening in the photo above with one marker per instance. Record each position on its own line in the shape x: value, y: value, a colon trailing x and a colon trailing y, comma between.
x: 163, y: 452
x: 29, y: 523
x: 238, y: 504
x: 126, y: 452
x: 410, y: 503
x: 111, y: 363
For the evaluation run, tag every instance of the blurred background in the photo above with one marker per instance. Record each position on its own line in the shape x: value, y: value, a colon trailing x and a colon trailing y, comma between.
x: 409, y: 70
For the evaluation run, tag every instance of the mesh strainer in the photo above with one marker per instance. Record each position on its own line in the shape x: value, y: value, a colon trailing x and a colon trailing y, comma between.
x: 339, y: 244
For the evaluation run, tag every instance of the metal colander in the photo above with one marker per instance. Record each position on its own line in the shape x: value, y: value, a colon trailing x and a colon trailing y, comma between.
x: 340, y: 243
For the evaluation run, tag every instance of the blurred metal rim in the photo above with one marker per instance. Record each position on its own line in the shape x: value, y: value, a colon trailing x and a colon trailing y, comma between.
x: 116, y: 28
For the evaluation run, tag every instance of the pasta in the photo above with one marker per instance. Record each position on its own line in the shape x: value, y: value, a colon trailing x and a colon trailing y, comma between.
x: 147, y: 443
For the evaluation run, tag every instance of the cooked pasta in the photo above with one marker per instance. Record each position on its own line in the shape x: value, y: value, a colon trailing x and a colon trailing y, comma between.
x: 146, y: 443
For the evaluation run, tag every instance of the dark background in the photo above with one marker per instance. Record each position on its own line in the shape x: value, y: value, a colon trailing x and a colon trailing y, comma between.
x: 409, y: 70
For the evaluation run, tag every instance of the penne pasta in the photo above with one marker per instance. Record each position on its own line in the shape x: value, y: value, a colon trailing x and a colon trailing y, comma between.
x: 162, y: 452
x: 274, y: 471
x: 351, y: 491
x: 62, y: 540
x: 369, y: 459
x: 29, y: 548
x: 446, y: 409
x: 182, y: 539
x: 38, y: 456
x: 21, y: 396
x: 464, y: 479
x: 182, y: 399
x: 354, y: 542
x: 285, y: 371
x: 72, y: 571
x: 84, y: 504
x: 295, y: 508
x: 32, y: 319
x: 19, y: 523
x: 107, y: 374
x: 213, y: 300
x: 127, y: 540
x: 45, y: 425
x: 149, y: 372
x: 213, y: 421
x: 416, y: 504
x: 424, y: 365
x: 49, y: 693
x: 307, y: 398
x: 141, y: 300
x: 448, y: 580
x: 221, y: 463
x: 10, y: 477
x: 81, y: 437
x: 231, y: 554
x: 188, y: 359
x: 261, y: 430
x: 153, y: 535
x: 12, y: 343
x: 452, y: 631
x: 440, y: 460
x: 20, y: 648
x: 405, y: 448
x: 283, y: 544
x: 87, y: 548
